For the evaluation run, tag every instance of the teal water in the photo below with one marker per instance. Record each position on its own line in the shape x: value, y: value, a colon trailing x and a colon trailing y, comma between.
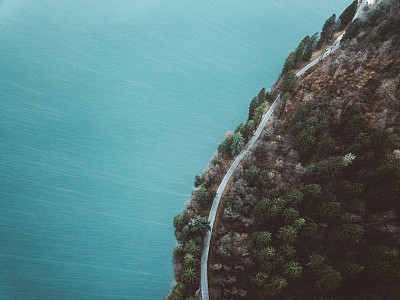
x: 107, y: 110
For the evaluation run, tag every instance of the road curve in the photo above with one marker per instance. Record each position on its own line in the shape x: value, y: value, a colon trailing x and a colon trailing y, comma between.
x: 238, y: 159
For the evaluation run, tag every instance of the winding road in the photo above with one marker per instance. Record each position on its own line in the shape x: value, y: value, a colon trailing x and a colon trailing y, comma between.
x: 242, y: 154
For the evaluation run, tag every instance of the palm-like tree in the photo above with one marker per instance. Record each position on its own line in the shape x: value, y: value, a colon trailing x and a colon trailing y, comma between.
x: 190, y: 260
x: 190, y: 275
x: 237, y: 143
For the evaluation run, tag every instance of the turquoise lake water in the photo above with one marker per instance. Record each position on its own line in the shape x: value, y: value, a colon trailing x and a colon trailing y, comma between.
x: 108, y: 109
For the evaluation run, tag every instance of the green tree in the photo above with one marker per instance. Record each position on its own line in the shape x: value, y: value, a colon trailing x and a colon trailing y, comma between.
x: 258, y: 113
x: 267, y: 259
x: 311, y: 191
x: 287, y: 250
x: 294, y: 197
x: 349, y: 234
x: 330, y: 168
x: 317, y: 261
x: 262, y: 279
x: 289, y: 64
x: 199, y: 225
x: 204, y: 197
x: 237, y: 143
x: 352, y: 271
x: 275, y: 285
x: 348, y: 14
x: 225, y: 147
x: 289, y: 81
x: 248, y: 130
x: 261, y: 96
x: 193, y: 248
x: 327, y: 30
x: 309, y: 47
x: 190, y: 260
x: 189, y: 275
x: 267, y: 209
x: 292, y: 270
x: 306, y: 139
x: 198, y: 180
x: 261, y: 238
x: 177, y: 292
x: 287, y: 234
x: 289, y: 215
x: 329, y: 279
x: 329, y: 209
x: 253, y: 105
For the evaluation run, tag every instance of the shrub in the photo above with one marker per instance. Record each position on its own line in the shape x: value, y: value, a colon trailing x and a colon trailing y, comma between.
x: 248, y: 130
x: 285, y: 98
x: 225, y: 147
x: 198, y: 180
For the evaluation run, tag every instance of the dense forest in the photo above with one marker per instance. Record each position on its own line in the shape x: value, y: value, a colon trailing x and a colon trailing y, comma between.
x: 313, y: 211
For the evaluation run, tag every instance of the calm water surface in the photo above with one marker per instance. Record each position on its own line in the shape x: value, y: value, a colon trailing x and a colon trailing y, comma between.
x: 107, y: 110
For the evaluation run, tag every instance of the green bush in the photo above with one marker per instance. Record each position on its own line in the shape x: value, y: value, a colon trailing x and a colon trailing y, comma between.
x: 193, y: 248
x: 326, y: 146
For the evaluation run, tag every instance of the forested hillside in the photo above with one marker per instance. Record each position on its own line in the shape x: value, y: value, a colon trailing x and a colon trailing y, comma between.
x: 313, y: 211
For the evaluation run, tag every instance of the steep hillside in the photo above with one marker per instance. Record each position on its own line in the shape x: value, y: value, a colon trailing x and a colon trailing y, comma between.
x: 313, y: 210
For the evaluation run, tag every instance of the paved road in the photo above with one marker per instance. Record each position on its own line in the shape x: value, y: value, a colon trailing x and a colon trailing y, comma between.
x: 238, y: 159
